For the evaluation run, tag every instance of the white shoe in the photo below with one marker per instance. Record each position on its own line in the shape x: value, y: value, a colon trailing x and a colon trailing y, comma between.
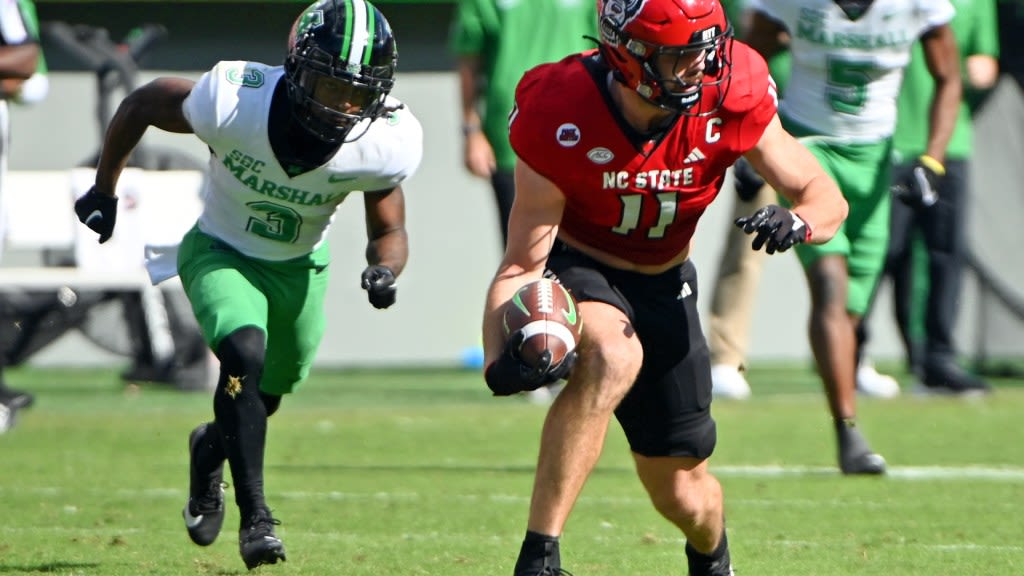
x: 728, y: 382
x: 871, y: 383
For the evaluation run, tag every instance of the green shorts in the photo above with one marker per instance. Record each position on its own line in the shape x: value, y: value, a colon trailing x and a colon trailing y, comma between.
x: 862, y: 173
x: 229, y: 290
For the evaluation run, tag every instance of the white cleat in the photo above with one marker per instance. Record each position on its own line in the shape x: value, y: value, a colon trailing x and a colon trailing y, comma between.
x: 871, y: 383
x: 728, y: 382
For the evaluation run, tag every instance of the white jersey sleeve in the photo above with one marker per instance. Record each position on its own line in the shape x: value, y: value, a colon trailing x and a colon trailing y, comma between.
x: 251, y: 201
x: 846, y: 72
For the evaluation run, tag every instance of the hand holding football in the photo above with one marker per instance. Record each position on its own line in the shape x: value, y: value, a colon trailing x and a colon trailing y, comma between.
x: 546, y: 315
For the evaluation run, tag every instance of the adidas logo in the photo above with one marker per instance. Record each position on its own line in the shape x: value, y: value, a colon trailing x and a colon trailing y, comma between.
x: 695, y: 155
x: 685, y: 291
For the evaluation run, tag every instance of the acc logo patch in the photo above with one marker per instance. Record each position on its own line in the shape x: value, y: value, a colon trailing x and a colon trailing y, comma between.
x: 600, y: 155
x: 568, y: 135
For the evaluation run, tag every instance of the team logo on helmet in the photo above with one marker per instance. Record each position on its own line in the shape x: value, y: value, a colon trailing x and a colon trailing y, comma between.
x: 615, y: 14
x: 310, y: 19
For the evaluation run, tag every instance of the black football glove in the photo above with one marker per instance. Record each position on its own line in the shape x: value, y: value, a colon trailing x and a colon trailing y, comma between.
x: 920, y: 189
x: 509, y: 375
x: 379, y: 283
x: 98, y: 212
x: 747, y: 181
x: 776, y: 228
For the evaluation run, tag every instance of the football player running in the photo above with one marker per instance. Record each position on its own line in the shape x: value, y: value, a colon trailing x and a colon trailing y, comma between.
x: 288, y: 144
x: 848, y: 63
x: 621, y: 150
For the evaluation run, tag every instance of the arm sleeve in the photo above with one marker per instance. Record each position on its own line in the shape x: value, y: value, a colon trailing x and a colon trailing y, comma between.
x: 753, y: 96
x: 985, y: 35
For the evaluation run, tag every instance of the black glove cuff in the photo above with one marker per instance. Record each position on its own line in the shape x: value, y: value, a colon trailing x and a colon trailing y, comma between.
x: 507, y: 376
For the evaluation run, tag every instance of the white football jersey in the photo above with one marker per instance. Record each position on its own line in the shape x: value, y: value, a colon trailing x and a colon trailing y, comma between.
x: 847, y: 73
x: 250, y: 202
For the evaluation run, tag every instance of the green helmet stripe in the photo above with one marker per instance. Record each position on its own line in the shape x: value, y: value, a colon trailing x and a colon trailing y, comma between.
x: 371, y: 27
x: 346, y: 45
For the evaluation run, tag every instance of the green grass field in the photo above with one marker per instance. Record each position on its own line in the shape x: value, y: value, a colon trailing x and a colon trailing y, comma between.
x: 423, y: 473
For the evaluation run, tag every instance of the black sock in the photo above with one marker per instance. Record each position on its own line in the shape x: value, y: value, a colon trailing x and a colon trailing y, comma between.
x: 539, y: 551
x: 209, y: 451
x: 713, y: 564
x: 241, y: 415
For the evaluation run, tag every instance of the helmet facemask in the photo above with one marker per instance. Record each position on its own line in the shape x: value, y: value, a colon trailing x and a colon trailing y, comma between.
x: 672, y: 78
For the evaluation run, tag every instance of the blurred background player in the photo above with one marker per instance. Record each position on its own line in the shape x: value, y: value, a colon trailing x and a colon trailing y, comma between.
x: 937, y: 226
x: 22, y: 79
x: 620, y: 152
x: 495, y: 42
x: 739, y: 269
x: 848, y: 58
x: 288, y: 144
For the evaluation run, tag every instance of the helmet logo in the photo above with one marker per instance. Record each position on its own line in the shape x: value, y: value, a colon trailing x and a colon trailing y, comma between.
x: 568, y: 135
x: 615, y: 15
x: 309, y: 20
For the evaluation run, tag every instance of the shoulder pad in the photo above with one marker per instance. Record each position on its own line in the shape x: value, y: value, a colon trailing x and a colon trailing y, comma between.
x: 750, y: 79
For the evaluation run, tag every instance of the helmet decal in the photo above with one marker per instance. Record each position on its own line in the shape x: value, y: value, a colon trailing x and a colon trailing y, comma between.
x: 615, y: 15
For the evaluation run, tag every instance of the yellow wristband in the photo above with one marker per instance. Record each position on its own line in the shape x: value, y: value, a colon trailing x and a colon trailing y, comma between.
x: 932, y: 164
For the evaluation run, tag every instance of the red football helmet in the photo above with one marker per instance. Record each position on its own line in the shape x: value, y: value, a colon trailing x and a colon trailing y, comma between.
x: 655, y: 47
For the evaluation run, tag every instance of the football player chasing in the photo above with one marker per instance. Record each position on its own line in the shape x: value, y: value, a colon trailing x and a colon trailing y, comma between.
x: 620, y: 150
x: 288, y: 144
x: 848, y: 63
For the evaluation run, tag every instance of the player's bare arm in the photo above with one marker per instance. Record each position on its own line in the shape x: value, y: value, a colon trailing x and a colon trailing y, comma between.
x: 17, y: 64
x: 532, y: 227
x: 796, y: 174
x: 157, y: 103
x: 387, y: 242
x: 942, y: 56
x: 478, y: 155
x: 981, y: 71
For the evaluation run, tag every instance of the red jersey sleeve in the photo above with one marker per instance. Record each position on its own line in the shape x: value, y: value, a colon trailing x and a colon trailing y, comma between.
x: 531, y: 121
x: 752, y: 95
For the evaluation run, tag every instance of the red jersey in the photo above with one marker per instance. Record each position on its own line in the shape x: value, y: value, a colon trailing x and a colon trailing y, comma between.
x: 633, y: 198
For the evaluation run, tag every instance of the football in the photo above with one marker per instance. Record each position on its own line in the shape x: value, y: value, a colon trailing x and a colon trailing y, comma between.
x: 548, y: 317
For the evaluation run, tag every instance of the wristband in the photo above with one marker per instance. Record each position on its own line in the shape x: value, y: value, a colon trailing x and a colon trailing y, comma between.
x: 807, y: 227
x: 932, y: 164
x: 468, y: 129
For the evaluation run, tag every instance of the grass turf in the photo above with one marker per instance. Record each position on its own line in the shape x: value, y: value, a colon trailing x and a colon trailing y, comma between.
x: 423, y: 473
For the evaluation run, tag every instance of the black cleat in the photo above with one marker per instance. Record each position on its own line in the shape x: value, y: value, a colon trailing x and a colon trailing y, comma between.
x: 948, y: 379
x: 540, y: 558
x: 257, y: 542
x: 855, y: 456
x: 204, y: 511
